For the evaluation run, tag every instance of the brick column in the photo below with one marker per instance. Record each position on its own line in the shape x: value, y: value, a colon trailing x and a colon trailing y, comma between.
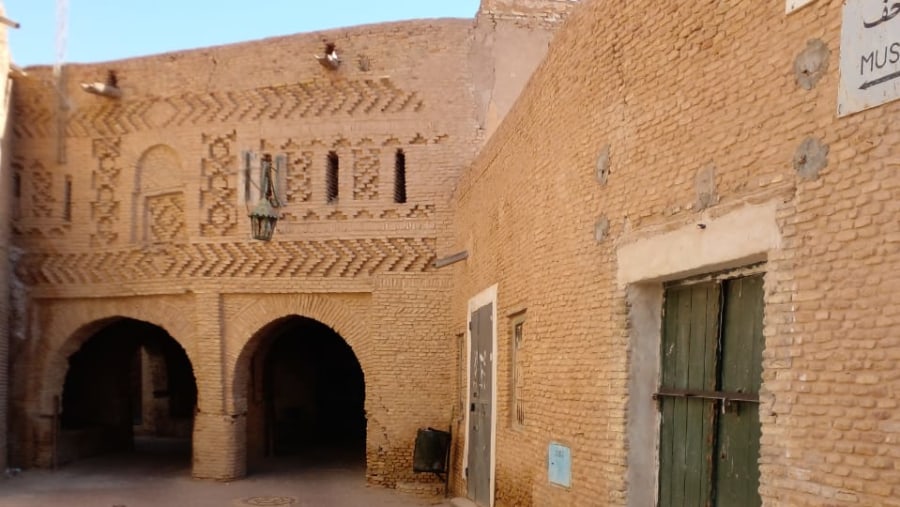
x: 219, y: 451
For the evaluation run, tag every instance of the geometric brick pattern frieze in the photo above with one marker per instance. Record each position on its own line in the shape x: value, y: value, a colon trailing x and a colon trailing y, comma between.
x: 284, y: 259
x: 415, y: 211
x: 218, y: 196
x: 311, y: 99
x: 366, y: 165
x: 165, y: 217
x: 105, y: 208
x: 299, y: 176
x: 36, y: 212
x: 42, y: 199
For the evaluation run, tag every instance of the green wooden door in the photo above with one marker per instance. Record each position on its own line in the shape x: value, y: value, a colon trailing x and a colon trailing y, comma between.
x: 711, y: 352
x: 688, y: 354
x: 737, y: 442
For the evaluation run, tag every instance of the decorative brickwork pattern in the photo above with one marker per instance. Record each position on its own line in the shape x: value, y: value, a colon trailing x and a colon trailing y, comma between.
x: 313, y: 99
x: 299, y: 169
x: 165, y: 217
x: 31, y: 102
x: 159, y: 167
x: 366, y: 165
x: 417, y: 212
x: 106, y: 208
x: 218, y: 197
x: 159, y: 197
x: 167, y: 157
x: 329, y: 258
x: 37, y: 220
x: 42, y: 200
x: 367, y: 153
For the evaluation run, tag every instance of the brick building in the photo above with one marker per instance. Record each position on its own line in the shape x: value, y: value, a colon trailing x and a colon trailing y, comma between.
x: 143, y: 308
x: 668, y: 260
x: 675, y: 206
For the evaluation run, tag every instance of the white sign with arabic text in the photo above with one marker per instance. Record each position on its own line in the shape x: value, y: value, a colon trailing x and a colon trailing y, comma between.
x: 870, y: 55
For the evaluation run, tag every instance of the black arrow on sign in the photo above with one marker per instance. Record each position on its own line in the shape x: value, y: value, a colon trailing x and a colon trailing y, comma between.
x: 883, y: 79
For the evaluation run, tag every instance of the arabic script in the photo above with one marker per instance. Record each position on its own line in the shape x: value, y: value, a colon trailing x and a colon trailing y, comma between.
x: 887, y: 14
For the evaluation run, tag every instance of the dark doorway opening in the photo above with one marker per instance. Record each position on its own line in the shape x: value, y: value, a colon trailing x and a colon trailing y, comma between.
x: 129, y: 388
x: 307, y: 398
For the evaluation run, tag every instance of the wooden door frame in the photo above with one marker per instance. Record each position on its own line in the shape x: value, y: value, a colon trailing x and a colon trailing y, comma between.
x: 486, y: 297
x: 736, y: 237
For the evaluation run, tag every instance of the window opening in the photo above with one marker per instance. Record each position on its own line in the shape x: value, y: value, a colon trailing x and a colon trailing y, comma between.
x: 248, y: 183
x: 517, y: 379
x: 400, y: 177
x: 67, y: 200
x: 332, y: 177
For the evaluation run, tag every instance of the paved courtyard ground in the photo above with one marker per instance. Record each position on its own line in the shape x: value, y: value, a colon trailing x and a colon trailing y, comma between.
x: 151, y: 480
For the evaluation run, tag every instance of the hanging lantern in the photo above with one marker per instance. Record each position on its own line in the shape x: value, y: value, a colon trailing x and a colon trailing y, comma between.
x: 264, y: 216
x: 262, y: 220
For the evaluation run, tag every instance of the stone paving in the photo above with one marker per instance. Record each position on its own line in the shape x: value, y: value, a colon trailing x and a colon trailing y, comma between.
x: 148, y: 480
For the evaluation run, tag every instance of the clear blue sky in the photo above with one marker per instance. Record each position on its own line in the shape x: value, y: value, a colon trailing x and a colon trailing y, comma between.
x: 101, y: 30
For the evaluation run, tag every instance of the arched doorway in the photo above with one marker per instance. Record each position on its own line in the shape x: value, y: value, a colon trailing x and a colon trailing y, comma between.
x: 130, y: 387
x: 306, y: 397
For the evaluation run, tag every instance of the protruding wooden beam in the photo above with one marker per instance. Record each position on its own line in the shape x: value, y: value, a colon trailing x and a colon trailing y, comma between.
x: 16, y: 71
x: 451, y: 259
x: 103, y: 89
x: 8, y: 22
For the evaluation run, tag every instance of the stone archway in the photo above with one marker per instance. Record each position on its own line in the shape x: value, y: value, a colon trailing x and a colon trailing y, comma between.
x: 242, y: 335
x: 64, y: 326
x: 128, y: 387
x: 249, y: 335
x: 305, y: 398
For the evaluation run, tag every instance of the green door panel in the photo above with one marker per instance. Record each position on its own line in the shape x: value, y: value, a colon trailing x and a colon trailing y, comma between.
x: 737, y: 453
x: 689, y: 344
x: 711, y: 342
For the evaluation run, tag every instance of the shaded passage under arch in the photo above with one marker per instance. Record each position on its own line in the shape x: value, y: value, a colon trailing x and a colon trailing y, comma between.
x: 306, y: 396
x: 129, y: 387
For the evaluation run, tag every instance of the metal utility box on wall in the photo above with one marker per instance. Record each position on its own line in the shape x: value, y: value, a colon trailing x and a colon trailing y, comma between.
x: 431, y: 451
x: 559, y: 465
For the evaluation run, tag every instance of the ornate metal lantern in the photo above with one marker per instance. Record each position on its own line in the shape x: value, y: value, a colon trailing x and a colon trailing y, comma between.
x: 262, y: 220
x: 264, y: 216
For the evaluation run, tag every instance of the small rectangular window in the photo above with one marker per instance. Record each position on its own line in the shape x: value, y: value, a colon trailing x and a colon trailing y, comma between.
x: 400, y: 177
x: 247, y: 160
x: 67, y: 200
x: 331, y: 177
x: 517, y: 376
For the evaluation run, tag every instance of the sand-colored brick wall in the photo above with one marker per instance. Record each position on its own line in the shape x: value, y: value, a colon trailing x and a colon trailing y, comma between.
x: 137, y: 206
x: 528, y: 11
x: 510, y: 40
x: 143, y: 198
x: 692, y: 114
